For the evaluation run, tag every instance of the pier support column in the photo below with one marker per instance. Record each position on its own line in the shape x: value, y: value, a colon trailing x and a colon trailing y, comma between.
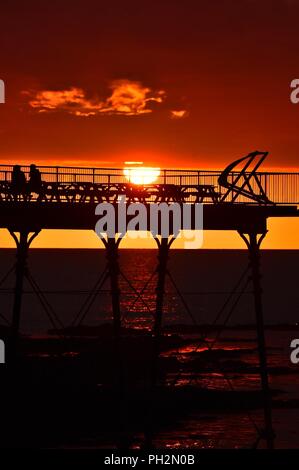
x: 120, y: 386
x: 161, y: 270
x: 23, y: 242
x: 164, y: 245
x: 111, y: 246
x: 253, y: 242
x: 113, y: 271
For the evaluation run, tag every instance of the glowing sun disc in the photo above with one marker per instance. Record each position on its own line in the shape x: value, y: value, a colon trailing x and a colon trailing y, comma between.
x: 142, y: 175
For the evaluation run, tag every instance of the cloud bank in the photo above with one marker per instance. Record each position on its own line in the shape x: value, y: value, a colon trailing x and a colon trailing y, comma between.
x: 127, y: 98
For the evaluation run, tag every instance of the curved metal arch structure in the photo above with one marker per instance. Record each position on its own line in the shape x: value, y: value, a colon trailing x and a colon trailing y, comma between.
x: 245, y: 181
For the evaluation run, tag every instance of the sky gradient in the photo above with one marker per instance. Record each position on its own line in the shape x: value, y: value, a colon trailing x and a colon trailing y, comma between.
x: 193, y: 84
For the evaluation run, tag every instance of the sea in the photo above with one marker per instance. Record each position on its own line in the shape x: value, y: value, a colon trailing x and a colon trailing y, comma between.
x: 203, y: 288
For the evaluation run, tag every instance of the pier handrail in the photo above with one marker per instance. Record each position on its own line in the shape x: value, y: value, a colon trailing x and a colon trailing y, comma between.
x: 280, y: 187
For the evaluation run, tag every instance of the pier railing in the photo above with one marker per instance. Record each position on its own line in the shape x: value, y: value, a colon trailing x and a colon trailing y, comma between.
x: 280, y: 187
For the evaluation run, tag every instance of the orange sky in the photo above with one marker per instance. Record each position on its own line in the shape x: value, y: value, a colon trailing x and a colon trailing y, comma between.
x: 283, y: 234
x: 99, y: 83
x: 191, y: 84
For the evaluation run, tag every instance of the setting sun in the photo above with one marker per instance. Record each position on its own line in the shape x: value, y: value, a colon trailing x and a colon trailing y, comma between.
x: 142, y: 175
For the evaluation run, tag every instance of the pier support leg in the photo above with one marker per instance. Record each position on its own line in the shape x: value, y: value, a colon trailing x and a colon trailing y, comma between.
x: 253, y: 242
x: 161, y: 270
x: 163, y: 251
x: 120, y: 409
x: 111, y: 246
x: 23, y: 242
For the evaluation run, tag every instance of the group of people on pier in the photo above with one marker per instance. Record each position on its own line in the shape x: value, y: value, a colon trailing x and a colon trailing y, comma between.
x: 19, y: 184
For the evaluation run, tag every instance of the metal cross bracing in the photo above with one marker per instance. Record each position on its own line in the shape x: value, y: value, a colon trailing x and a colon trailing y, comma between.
x: 94, y: 185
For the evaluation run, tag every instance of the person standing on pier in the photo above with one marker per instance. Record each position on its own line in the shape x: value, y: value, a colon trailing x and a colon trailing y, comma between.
x: 18, y: 182
x: 35, y: 181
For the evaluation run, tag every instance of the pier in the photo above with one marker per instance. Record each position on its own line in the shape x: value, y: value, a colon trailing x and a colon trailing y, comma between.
x: 240, y: 198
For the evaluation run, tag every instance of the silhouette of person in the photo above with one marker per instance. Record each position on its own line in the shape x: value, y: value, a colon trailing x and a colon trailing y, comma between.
x: 35, y: 181
x: 18, y: 181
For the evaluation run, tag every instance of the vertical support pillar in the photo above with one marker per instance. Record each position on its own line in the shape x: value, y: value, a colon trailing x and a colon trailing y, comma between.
x: 163, y: 250
x: 253, y: 242
x: 22, y: 243
x: 111, y: 245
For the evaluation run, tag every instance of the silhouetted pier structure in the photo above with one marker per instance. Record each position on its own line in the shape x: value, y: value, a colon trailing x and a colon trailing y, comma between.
x: 240, y: 200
